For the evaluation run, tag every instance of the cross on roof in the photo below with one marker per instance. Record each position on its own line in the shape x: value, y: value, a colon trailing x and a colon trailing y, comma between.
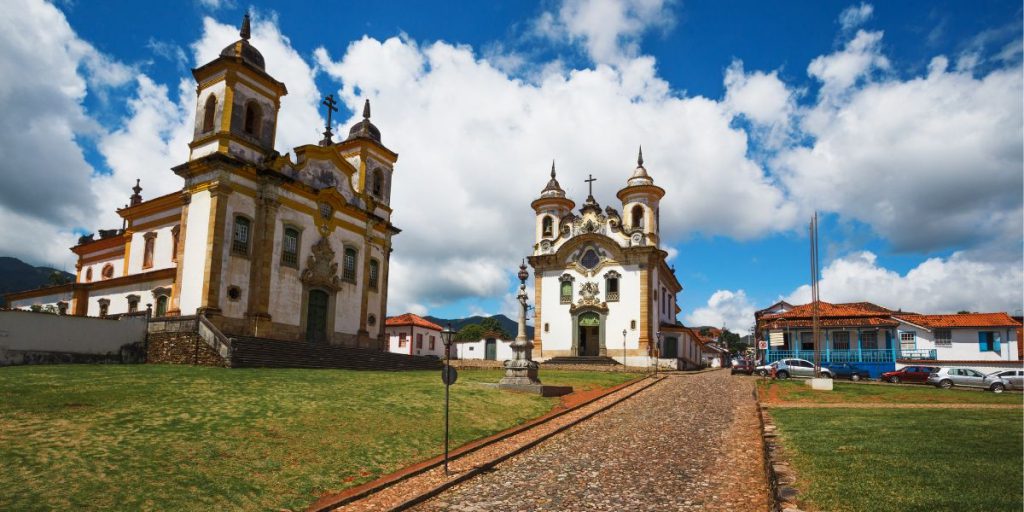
x: 330, y: 104
x: 590, y: 183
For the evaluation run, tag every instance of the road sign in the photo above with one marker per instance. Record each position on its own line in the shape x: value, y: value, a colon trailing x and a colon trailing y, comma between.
x: 763, y: 345
x: 449, y: 375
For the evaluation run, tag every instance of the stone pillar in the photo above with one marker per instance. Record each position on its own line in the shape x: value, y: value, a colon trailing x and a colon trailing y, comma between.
x: 216, y: 234
x: 385, y: 267
x: 363, y: 335
x: 174, y: 308
x: 538, y: 327
x: 260, y: 270
x: 521, y: 370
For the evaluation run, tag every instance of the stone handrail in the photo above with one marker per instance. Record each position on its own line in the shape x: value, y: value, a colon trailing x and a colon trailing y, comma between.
x: 213, y: 337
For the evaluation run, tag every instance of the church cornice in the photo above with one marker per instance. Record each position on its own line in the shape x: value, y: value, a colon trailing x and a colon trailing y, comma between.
x: 564, y: 202
x: 233, y: 65
x: 650, y: 190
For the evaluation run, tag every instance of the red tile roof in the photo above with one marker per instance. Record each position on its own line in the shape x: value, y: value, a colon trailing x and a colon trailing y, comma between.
x: 413, y: 320
x: 960, y: 320
x: 851, y: 314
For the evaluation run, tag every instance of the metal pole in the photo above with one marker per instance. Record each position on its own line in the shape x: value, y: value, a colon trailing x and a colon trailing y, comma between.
x: 624, y: 350
x: 447, y: 362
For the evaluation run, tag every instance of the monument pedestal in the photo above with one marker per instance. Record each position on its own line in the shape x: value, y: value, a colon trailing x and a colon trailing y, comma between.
x: 521, y: 377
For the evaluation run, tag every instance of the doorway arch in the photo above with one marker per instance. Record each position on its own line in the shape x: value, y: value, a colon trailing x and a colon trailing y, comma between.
x: 317, y: 303
x: 588, y: 333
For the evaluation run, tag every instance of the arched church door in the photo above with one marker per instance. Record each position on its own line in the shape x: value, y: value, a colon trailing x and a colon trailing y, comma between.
x: 316, y: 316
x: 589, y: 334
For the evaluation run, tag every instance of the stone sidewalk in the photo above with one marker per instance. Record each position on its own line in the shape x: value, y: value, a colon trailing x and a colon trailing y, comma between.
x: 690, y: 443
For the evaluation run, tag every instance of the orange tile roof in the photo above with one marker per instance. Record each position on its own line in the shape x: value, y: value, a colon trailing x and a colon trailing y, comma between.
x: 851, y: 314
x: 960, y: 320
x: 413, y: 320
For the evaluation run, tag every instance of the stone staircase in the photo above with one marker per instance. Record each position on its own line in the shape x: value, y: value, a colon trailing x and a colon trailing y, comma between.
x: 250, y: 352
x: 581, y: 361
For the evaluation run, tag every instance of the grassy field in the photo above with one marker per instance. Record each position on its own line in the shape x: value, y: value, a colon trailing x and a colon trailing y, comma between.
x: 152, y: 437
x: 777, y: 392
x: 906, y: 460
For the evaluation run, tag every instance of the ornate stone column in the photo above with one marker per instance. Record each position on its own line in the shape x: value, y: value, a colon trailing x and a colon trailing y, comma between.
x: 521, y: 370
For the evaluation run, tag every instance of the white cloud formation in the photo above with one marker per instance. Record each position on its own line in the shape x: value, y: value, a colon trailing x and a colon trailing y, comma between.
x: 609, y: 30
x: 855, y: 15
x: 840, y: 71
x: 725, y: 307
x: 937, y: 285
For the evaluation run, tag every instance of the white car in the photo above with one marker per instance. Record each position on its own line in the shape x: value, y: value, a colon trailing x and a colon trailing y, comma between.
x: 946, y: 378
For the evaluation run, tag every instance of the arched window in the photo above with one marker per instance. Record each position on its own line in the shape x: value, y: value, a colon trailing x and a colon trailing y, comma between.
x: 547, y: 226
x: 147, y: 254
x: 88, y: 274
x: 611, y: 286
x: 638, y: 216
x: 175, y: 233
x: 108, y: 271
x: 348, y: 271
x: 378, y: 184
x: 252, y: 119
x: 209, y: 111
x: 161, y: 306
x: 104, y: 306
x: 565, y: 289
x: 240, y: 241
x: 133, y: 303
x: 290, y: 247
x: 374, y: 273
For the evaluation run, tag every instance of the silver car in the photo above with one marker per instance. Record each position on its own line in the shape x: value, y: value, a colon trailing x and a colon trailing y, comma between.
x: 786, y: 368
x: 946, y: 378
x: 1014, y: 379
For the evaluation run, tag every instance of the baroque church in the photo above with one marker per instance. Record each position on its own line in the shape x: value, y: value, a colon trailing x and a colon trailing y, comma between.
x: 602, y: 285
x: 261, y: 244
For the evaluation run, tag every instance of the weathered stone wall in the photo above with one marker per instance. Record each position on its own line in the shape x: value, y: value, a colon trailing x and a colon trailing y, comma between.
x: 181, y: 348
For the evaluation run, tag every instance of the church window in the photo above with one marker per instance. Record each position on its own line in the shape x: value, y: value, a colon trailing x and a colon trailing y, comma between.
x: 88, y: 274
x: 108, y: 271
x: 374, y: 273
x: 208, y: 112
x: 378, y: 184
x: 240, y: 242
x: 638, y: 217
x: 290, y: 247
x: 147, y: 254
x: 234, y: 293
x: 348, y: 272
x: 547, y: 327
x: 611, y: 286
x: 133, y: 303
x: 175, y: 233
x: 566, y: 289
x: 371, y: 320
x: 161, y: 305
x: 632, y: 324
x: 104, y: 306
x: 547, y: 226
x: 589, y: 259
x: 252, y: 119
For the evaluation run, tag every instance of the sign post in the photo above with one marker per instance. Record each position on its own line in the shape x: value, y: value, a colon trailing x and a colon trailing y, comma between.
x: 448, y: 377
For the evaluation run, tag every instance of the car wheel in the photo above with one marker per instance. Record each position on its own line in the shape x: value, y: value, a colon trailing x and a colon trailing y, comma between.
x: 894, y: 379
x: 998, y: 387
x: 855, y: 377
x: 826, y: 375
x: 946, y: 384
x: 763, y: 373
x: 782, y: 375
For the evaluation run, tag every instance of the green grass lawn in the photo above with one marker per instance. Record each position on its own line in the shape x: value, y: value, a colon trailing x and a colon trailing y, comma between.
x: 776, y: 391
x: 906, y: 460
x: 151, y: 437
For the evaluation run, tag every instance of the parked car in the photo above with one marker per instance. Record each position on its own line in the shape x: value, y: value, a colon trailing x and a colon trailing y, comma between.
x: 786, y: 368
x: 763, y: 370
x: 1014, y: 379
x: 946, y: 378
x: 743, y: 366
x: 914, y: 374
x: 847, y: 371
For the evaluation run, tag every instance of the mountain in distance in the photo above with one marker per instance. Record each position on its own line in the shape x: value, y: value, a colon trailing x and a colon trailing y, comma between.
x: 510, y: 326
x: 17, y: 276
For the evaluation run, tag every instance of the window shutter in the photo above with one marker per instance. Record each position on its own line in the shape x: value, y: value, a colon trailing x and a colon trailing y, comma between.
x: 981, y: 342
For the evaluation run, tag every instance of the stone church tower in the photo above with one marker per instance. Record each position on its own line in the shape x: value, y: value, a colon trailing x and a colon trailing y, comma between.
x: 602, y: 285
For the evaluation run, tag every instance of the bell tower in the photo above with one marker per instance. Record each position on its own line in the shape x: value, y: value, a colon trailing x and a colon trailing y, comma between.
x: 236, y: 103
x: 549, y: 209
x: 640, y: 204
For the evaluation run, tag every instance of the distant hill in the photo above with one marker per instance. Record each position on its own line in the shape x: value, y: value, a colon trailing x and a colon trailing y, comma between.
x: 510, y: 326
x: 16, y: 276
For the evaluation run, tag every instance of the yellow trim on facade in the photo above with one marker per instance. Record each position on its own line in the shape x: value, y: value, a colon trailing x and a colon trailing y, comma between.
x: 170, y: 219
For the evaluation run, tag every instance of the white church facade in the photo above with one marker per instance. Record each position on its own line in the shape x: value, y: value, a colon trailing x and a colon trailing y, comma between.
x: 602, y: 284
x: 262, y: 244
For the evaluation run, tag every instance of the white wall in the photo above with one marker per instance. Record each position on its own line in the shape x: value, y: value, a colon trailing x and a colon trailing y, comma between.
x: 478, y: 350
x: 163, y: 256
x: 42, y: 301
x: 410, y: 348
x: 194, y: 259
x: 41, y: 332
x: 118, y: 296
x: 620, y: 314
x: 964, y: 343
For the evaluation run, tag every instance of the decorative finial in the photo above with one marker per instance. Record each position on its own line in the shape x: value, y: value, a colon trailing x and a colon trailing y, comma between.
x: 523, y: 274
x: 136, y: 197
x: 640, y: 157
x: 330, y: 104
x: 366, y: 109
x: 244, y: 32
x: 552, y: 169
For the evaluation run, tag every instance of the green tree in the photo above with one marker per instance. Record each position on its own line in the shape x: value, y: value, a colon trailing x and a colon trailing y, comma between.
x: 58, y: 278
x: 732, y: 341
x: 471, y: 332
x: 492, y: 328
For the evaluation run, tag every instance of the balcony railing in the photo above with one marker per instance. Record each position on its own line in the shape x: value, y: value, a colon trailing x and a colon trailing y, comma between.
x: 853, y: 356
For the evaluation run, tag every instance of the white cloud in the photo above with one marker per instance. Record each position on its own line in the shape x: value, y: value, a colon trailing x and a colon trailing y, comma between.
x: 855, y: 15
x: 937, y: 285
x: 840, y: 71
x: 725, y: 307
x: 609, y: 30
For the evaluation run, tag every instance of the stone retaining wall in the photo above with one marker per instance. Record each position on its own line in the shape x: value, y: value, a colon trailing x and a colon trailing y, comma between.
x: 181, y: 348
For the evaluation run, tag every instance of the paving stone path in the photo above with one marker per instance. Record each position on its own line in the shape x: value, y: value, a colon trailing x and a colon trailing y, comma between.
x: 691, y: 442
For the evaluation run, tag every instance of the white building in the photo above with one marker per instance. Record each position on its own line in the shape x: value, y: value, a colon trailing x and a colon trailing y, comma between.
x: 602, y: 285
x: 491, y: 349
x: 960, y: 337
x: 262, y: 244
x: 414, y: 335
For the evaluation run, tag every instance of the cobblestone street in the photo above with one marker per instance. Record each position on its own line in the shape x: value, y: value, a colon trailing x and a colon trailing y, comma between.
x: 691, y: 442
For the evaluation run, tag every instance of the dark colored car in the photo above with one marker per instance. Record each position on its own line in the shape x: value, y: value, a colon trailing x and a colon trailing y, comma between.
x: 848, y: 371
x: 910, y: 374
x: 743, y: 366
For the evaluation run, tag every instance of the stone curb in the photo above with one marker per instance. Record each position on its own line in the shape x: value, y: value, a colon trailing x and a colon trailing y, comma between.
x: 778, y: 471
x: 642, y: 385
x: 328, y: 503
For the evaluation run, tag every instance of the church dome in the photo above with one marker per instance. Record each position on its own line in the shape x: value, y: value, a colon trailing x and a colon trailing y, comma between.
x: 364, y: 129
x: 640, y: 176
x: 553, y: 189
x: 241, y: 49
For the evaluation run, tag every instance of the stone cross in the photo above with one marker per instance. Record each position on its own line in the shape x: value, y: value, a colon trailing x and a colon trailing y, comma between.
x: 330, y: 104
x: 590, y: 183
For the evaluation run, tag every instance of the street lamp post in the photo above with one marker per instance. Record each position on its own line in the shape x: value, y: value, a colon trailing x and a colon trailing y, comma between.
x: 657, y: 350
x: 623, y: 350
x: 448, y: 377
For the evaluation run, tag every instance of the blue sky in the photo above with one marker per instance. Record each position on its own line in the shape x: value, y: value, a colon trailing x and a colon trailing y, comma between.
x: 811, y: 67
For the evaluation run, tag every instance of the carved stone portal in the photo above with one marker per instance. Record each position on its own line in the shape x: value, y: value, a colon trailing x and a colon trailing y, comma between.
x: 321, y: 269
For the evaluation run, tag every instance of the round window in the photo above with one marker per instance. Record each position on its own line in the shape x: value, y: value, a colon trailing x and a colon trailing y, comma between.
x: 589, y: 259
x: 372, y: 320
x: 234, y: 293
